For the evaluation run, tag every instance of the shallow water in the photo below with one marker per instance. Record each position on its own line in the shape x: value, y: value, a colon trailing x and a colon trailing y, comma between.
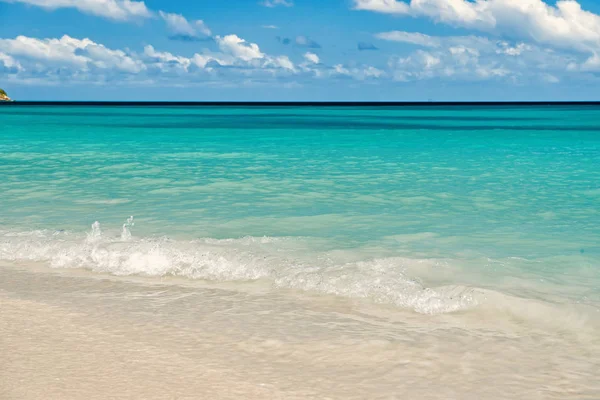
x: 465, y: 225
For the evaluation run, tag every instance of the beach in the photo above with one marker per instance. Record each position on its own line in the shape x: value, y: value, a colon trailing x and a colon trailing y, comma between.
x: 299, y: 252
x: 77, y: 336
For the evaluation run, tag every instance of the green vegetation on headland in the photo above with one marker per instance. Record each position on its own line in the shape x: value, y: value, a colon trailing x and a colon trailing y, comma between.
x: 4, y: 96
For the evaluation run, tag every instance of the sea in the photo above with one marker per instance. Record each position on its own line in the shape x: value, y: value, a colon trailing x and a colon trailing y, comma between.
x: 374, y: 251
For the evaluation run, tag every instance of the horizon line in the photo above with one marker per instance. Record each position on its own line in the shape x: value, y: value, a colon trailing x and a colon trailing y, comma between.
x: 295, y: 103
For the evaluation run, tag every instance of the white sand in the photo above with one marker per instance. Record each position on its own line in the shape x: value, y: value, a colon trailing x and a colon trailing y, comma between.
x: 75, y: 336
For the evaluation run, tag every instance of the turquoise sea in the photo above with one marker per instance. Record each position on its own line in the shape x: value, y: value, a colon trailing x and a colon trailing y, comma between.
x: 420, y: 207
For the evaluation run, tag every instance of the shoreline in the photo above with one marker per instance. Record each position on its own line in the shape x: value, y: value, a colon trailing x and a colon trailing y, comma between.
x: 82, y: 336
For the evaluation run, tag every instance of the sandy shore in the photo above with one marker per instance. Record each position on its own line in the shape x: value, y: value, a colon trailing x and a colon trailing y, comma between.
x: 50, y: 353
x: 79, y: 336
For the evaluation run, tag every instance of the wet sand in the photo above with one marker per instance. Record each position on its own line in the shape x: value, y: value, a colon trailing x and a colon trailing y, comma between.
x: 76, y: 335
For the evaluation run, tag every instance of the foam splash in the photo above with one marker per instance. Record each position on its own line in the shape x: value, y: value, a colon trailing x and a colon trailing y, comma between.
x: 248, y: 259
x: 95, y: 234
x: 126, y: 232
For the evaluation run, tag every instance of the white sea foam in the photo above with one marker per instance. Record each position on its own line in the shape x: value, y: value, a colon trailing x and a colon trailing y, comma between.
x: 381, y: 280
x: 126, y: 232
x: 95, y: 234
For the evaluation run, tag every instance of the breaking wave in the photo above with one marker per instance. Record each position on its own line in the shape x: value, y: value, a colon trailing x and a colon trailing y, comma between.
x: 382, y: 280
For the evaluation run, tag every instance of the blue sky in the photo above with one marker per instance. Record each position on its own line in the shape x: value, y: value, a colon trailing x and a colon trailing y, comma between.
x: 300, y: 49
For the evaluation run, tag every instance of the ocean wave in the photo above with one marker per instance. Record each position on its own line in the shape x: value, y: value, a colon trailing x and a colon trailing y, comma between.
x: 382, y: 280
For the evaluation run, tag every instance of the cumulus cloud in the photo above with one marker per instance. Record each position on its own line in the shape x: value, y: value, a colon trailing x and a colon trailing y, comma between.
x: 73, y: 60
x: 236, y: 53
x: 312, y: 57
x: 564, y: 24
x: 69, y: 52
x: 456, y: 62
x: 118, y: 10
x: 280, y: 62
x: 239, y: 48
x: 478, y: 58
x: 101, y: 57
x: 236, y: 60
x: 162, y: 61
x: 182, y: 29
x: 8, y: 64
x: 129, y: 10
x: 275, y: 3
x: 51, y: 51
x: 519, y: 55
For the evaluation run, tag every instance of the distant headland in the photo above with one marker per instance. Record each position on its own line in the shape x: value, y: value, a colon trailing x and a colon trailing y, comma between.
x: 4, y: 96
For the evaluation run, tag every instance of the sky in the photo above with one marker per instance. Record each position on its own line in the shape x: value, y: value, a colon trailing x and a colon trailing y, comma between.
x: 302, y: 50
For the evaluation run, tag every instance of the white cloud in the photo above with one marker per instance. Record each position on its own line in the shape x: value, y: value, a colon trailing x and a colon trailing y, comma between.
x: 9, y: 64
x: 505, y: 48
x: 410, y: 37
x: 239, y: 48
x: 474, y: 42
x: 359, y: 73
x: 477, y: 58
x: 238, y: 52
x: 341, y: 70
x: 202, y: 60
x: 51, y: 51
x: 275, y: 3
x: 67, y: 51
x: 164, y: 60
x: 69, y: 59
x: 118, y: 10
x: 518, y: 57
x: 104, y: 58
x: 372, y: 72
x: 383, y: 6
x: 312, y: 57
x: 564, y: 25
x: 283, y: 62
x: 237, y: 61
x: 179, y: 25
x: 455, y: 63
x: 591, y: 64
x: 270, y: 27
x: 127, y: 10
